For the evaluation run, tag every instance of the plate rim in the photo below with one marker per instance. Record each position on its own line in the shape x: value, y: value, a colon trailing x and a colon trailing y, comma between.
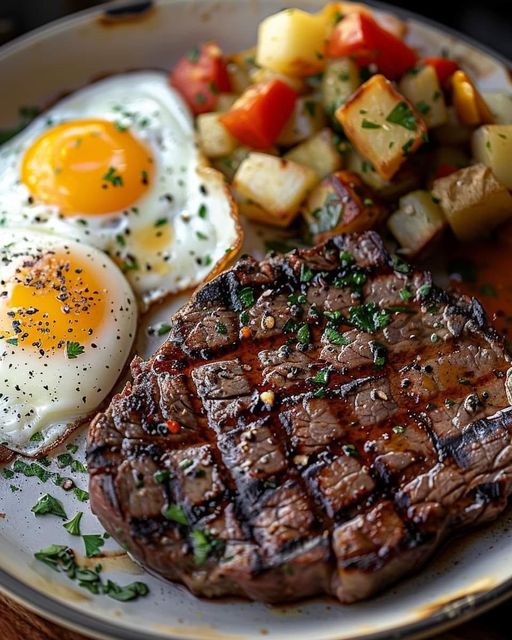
x: 449, y: 615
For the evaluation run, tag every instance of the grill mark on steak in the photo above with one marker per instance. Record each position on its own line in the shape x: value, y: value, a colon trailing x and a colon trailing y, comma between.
x: 343, y: 478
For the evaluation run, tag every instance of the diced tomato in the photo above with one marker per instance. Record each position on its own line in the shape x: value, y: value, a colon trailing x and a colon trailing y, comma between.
x: 258, y: 116
x: 444, y: 170
x: 173, y: 426
x: 359, y: 36
x: 444, y: 68
x: 200, y: 76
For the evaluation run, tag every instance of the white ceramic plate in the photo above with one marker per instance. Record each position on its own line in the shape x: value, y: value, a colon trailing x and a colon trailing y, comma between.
x: 469, y: 575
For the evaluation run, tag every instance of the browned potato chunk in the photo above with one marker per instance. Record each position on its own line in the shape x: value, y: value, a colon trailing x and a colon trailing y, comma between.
x: 382, y: 125
x: 341, y: 203
x: 473, y: 201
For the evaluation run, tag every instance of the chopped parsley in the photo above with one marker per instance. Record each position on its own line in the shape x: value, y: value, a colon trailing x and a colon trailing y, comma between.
x: 175, y: 513
x: 306, y: 274
x: 335, y: 337
x: 406, y: 148
x: 201, y: 236
x: 402, y: 115
x: 161, y: 221
x: 12, y: 341
x: 203, y: 211
x: 93, y: 543
x: 368, y: 317
x: 322, y: 376
x: 424, y: 290
x: 193, y: 55
x: 350, y: 450
x: 49, y: 504
x: 163, y: 329
x: 368, y: 124
x: 82, y: 495
x: 405, y: 294
x: 400, y: 265
x: 112, y: 176
x: 161, y: 476
x: 304, y: 334
x: 398, y: 428
x: 73, y: 350
x: 423, y: 107
x: 204, y: 544
x: 61, y: 558
x: 246, y: 297
x: 297, y: 298
x: 36, y: 437
x: 221, y: 328
x: 73, y: 526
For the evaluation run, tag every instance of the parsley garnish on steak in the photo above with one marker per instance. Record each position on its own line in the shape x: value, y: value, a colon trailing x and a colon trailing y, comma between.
x: 324, y: 440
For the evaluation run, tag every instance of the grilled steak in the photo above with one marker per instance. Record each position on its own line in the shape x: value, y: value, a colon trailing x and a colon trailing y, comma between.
x: 315, y: 423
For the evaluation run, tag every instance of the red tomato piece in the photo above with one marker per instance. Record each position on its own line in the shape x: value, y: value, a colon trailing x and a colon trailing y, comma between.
x: 258, y: 116
x: 359, y: 36
x: 200, y: 76
x: 444, y: 68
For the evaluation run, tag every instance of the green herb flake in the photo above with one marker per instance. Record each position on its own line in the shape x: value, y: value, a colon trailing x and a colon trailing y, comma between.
x: 368, y: 317
x: 246, y: 297
x: 36, y: 437
x: 161, y: 476
x: 112, y: 176
x: 400, y: 265
x: 73, y: 448
x: 78, y: 467
x: 73, y: 525
x: 335, y: 337
x: 82, y: 495
x: 306, y: 274
x: 163, y: 329
x: 161, y: 222
x: 201, y: 236
x: 423, y: 107
x: 406, y: 148
x: 304, y: 334
x: 93, y: 543
x: 204, y: 544
x: 203, y: 211
x: 403, y: 116
x: 399, y: 429
x: 48, y: 504
x: 221, y: 328
x: 193, y: 55
x: 405, y: 294
x: 12, y: 341
x: 73, y: 350
x: 322, y: 376
x: 175, y: 513
x: 297, y: 298
x: 64, y: 460
x: 424, y: 290
x: 368, y: 124
x: 350, y: 450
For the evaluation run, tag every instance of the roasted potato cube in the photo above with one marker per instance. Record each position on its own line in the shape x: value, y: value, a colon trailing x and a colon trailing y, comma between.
x: 405, y: 180
x: 382, y: 125
x: 473, y: 201
x: 500, y: 105
x: 307, y: 119
x: 341, y: 78
x: 492, y: 145
x: 318, y: 153
x: 341, y: 203
x: 214, y: 139
x: 292, y: 42
x: 421, y: 87
x: 275, y: 185
x: 417, y: 222
x: 469, y: 104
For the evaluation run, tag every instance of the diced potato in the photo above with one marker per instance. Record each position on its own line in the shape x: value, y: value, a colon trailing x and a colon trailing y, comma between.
x: 341, y: 78
x: 404, y: 180
x: 473, y: 201
x: 341, y: 203
x: 258, y: 74
x: 492, y: 145
x: 225, y: 101
x: 214, y: 139
x: 307, y: 119
x: 274, y: 185
x: 228, y: 165
x: 421, y: 87
x: 318, y: 153
x: 470, y: 106
x: 453, y: 132
x: 292, y: 42
x: 500, y: 105
x: 382, y: 125
x: 417, y: 222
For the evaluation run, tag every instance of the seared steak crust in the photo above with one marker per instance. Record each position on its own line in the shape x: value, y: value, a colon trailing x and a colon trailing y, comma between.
x: 315, y: 423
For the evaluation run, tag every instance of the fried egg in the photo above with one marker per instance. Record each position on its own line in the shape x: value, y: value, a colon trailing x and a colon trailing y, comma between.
x: 67, y: 322
x: 116, y: 165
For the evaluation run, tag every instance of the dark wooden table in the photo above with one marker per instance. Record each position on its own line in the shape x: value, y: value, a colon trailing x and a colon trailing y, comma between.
x: 17, y: 623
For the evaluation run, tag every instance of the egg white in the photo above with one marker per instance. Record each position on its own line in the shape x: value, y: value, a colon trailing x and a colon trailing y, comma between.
x: 46, y: 392
x: 201, y: 226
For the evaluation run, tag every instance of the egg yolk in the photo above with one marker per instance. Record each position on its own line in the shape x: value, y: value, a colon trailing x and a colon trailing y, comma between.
x: 89, y: 167
x: 52, y: 302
